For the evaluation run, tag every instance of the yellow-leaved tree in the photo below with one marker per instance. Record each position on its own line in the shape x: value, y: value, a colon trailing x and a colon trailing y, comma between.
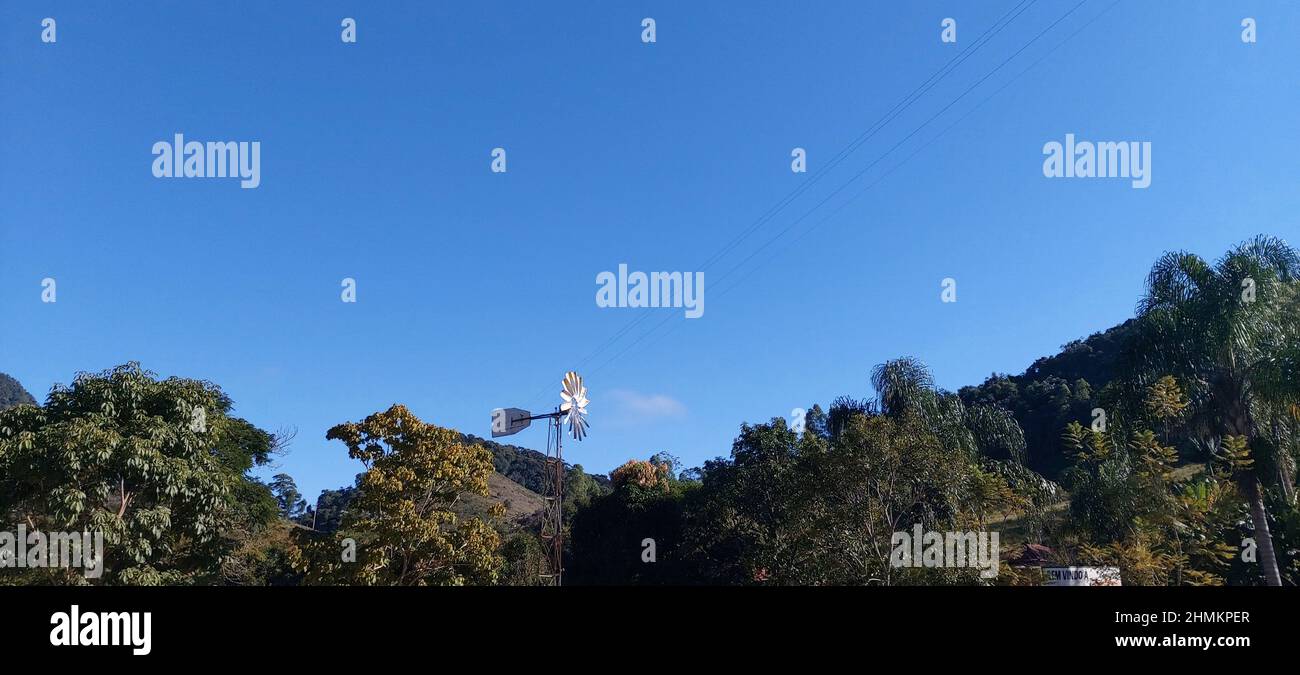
x: 402, y: 528
x: 645, y: 474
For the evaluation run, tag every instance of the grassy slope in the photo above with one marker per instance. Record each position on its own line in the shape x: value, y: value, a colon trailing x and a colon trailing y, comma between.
x: 520, y: 501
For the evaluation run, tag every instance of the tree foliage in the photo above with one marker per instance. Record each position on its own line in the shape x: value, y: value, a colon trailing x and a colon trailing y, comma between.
x: 818, y: 507
x: 402, y: 522
x: 157, y: 466
x: 1228, y: 332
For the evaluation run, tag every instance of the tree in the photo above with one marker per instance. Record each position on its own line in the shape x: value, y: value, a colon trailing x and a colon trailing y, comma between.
x: 821, y: 507
x: 579, y: 490
x: 648, y: 474
x: 525, y: 560
x: 327, y: 513
x: 1135, y: 514
x: 984, y: 433
x: 996, y: 433
x: 401, y: 523
x: 884, y: 474
x: 291, y: 503
x: 157, y: 466
x: 1111, y: 495
x: 1229, y: 332
x: 905, y: 387
x: 1165, y: 403
x: 609, y: 536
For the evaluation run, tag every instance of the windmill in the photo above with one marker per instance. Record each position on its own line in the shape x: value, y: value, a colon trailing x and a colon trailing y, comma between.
x: 573, y: 412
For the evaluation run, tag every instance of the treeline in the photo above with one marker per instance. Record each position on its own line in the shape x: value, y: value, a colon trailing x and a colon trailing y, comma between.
x: 817, y: 507
x: 1170, y: 443
x: 1166, y: 447
x: 164, y: 472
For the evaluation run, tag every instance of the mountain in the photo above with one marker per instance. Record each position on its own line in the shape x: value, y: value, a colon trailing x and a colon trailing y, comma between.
x: 12, y: 393
x: 1054, y: 391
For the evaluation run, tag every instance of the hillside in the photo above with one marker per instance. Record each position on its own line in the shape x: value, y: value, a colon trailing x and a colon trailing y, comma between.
x: 517, y: 482
x: 12, y: 393
x: 520, y: 502
x: 1054, y: 391
x: 526, y: 466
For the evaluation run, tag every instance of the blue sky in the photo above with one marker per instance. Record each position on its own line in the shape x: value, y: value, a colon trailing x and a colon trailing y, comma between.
x: 476, y: 290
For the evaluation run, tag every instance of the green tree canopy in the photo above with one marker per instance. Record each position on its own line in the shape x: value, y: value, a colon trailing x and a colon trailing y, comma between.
x: 1229, y: 333
x: 157, y: 466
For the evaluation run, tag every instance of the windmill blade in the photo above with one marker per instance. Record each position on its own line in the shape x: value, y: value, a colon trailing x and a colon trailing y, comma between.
x: 578, y: 427
x: 574, y: 395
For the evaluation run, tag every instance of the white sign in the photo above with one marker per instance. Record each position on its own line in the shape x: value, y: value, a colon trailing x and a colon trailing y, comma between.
x: 1081, y: 576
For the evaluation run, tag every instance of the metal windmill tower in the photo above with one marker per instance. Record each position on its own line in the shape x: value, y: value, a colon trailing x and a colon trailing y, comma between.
x: 573, y: 411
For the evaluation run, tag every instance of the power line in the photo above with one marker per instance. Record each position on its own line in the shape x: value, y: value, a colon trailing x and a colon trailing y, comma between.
x: 889, y: 116
x: 895, y: 167
x: 905, y: 139
x: 925, y: 145
x: 984, y: 38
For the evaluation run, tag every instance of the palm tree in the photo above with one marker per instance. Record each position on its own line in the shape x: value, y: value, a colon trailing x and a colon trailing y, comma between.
x: 987, y: 435
x: 1229, y: 333
x: 905, y: 387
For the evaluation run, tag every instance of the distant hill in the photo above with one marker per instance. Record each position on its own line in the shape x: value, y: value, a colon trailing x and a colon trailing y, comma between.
x: 1054, y: 391
x: 12, y: 393
x: 517, y: 482
x: 526, y: 466
x: 520, y: 502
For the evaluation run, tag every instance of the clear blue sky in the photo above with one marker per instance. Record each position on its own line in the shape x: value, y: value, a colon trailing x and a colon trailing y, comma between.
x: 476, y: 290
